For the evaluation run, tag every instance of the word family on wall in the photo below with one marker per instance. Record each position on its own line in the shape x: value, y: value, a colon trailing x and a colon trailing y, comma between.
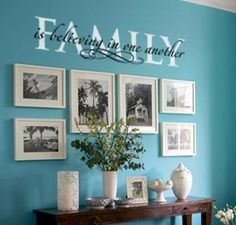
x: 93, y: 46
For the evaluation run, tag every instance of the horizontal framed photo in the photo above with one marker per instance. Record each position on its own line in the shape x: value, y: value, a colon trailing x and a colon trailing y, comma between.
x: 177, y: 96
x: 178, y: 139
x: 91, y: 94
x: 137, y: 189
x: 39, y: 86
x: 138, y: 102
x: 39, y: 139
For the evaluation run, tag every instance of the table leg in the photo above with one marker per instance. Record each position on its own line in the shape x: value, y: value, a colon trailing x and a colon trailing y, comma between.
x: 187, y: 219
x: 206, y: 217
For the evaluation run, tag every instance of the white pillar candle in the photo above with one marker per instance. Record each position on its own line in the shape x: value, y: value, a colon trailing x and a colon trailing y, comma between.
x: 67, y: 190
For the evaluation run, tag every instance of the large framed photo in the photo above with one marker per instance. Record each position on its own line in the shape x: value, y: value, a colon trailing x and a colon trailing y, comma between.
x: 137, y: 189
x: 138, y: 102
x: 91, y: 94
x: 178, y: 139
x: 39, y: 139
x: 177, y: 96
x: 38, y: 86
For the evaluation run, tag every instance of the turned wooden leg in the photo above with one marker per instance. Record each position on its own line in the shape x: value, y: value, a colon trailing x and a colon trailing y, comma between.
x: 187, y: 219
x: 206, y: 217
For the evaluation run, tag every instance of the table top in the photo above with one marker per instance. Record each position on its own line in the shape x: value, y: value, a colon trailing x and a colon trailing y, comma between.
x: 152, y: 204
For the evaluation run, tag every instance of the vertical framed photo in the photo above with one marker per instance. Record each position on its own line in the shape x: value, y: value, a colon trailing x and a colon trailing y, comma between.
x: 137, y: 189
x: 39, y: 139
x: 91, y: 94
x: 177, y: 96
x: 178, y: 139
x: 38, y: 86
x: 138, y: 102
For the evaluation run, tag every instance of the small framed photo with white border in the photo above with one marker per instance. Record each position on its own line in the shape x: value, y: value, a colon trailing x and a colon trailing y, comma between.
x: 39, y: 86
x: 137, y: 189
x: 178, y: 139
x: 177, y: 96
x: 138, y: 102
x: 39, y: 139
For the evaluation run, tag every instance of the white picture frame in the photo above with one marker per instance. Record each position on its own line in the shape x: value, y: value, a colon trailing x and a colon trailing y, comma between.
x: 138, y: 99
x: 137, y: 189
x: 177, y: 96
x: 39, y: 86
x: 39, y: 139
x: 178, y: 139
x: 79, y: 80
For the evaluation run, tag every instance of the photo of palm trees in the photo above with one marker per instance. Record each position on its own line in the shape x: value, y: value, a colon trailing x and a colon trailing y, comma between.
x: 40, y: 138
x: 92, y: 100
x: 39, y: 86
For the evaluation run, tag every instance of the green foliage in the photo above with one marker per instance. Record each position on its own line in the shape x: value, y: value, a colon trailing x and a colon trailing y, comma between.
x: 110, y: 147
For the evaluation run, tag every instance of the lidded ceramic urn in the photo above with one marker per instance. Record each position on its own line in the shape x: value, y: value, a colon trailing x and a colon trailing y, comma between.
x: 182, y: 181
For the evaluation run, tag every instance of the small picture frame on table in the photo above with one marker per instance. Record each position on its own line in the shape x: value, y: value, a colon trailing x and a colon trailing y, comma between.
x: 177, y: 96
x: 137, y: 189
x: 39, y: 139
x: 39, y: 86
x: 178, y: 139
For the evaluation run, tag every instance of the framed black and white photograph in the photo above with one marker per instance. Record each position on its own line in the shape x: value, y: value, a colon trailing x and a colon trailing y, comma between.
x: 39, y: 139
x: 91, y: 95
x: 177, y: 96
x: 178, y: 139
x: 137, y: 189
x: 39, y: 86
x: 138, y: 102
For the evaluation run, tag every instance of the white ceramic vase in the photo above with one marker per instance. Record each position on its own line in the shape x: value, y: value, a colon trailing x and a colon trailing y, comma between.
x: 182, y: 181
x: 67, y: 190
x: 110, y: 181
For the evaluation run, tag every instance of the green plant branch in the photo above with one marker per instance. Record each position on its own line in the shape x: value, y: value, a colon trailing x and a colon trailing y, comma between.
x: 116, y: 149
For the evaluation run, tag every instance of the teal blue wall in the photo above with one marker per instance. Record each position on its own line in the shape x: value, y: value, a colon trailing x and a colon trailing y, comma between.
x: 209, y: 60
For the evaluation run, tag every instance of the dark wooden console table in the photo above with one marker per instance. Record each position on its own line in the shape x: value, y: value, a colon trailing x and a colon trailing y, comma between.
x: 137, y: 212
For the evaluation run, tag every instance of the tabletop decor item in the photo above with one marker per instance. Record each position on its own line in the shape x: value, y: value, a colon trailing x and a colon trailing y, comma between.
x: 160, y: 187
x: 182, y: 181
x: 97, y: 202
x: 124, y: 202
x: 137, y: 189
x: 227, y: 215
x: 67, y: 190
x: 116, y: 149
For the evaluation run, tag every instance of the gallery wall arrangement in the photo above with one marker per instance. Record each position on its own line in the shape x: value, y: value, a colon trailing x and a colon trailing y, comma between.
x: 166, y: 68
x: 93, y: 94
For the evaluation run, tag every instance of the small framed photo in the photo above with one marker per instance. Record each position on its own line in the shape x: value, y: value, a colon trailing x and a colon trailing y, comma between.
x: 39, y: 139
x: 39, y: 86
x: 137, y: 189
x: 138, y: 102
x: 178, y: 139
x: 91, y: 94
x: 177, y: 96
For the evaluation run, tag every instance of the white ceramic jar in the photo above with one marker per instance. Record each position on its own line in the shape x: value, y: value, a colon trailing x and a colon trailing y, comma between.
x: 67, y: 190
x: 182, y: 181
